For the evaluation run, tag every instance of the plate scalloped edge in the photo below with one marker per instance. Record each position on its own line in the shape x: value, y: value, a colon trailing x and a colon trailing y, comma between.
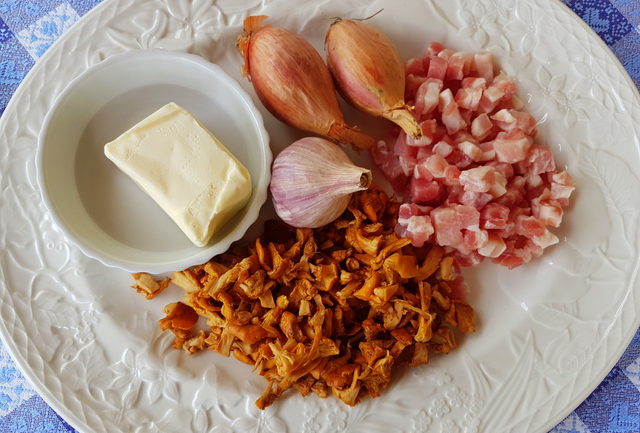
x: 100, y: 387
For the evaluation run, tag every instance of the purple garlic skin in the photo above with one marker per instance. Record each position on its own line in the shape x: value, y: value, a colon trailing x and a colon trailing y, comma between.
x: 312, y: 181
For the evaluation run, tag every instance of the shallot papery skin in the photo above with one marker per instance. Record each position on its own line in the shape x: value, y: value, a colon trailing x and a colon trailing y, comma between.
x: 369, y: 72
x: 293, y: 82
x: 312, y: 181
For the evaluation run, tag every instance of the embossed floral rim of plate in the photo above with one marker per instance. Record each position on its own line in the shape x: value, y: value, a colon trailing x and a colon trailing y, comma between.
x: 549, y: 331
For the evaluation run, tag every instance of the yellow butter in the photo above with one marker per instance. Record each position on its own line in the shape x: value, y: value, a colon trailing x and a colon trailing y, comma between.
x: 185, y: 169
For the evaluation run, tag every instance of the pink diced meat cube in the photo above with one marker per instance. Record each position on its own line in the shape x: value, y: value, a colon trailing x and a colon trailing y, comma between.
x: 481, y: 126
x: 468, y: 62
x: 561, y: 187
x: 484, y: 65
x: 504, y: 120
x: 546, y: 239
x: 494, y: 216
x: 471, y: 150
x: 452, y: 118
x: 493, y: 247
x: 411, y: 86
x: 433, y: 49
x: 425, y: 191
x: 504, y: 83
x: 490, y: 99
x: 508, y: 120
x: 459, y: 159
x: 407, y: 210
x: 499, y: 187
x: 525, y: 121
x: 515, y: 192
x: 471, y: 259
x: 469, y: 98
x: 502, y: 167
x: 442, y: 148
x: 451, y: 220
x: 529, y: 226
x: 479, y: 179
x: 437, y: 68
x: 540, y: 160
x: 428, y: 96
x: 390, y: 166
x: 474, y: 83
x: 474, y: 239
x: 438, y: 167
x: 445, y: 99
x: 475, y: 199
x: 419, y: 229
x: 446, y: 53
x: 512, y: 146
x: 549, y: 212
x: 455, y: 68
x: 415, y: 67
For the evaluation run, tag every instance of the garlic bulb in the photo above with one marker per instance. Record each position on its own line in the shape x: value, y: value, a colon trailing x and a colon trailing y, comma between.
x: 312, y: 181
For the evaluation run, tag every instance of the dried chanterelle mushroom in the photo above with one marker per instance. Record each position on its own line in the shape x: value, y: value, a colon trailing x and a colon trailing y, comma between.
x: 330, y: 310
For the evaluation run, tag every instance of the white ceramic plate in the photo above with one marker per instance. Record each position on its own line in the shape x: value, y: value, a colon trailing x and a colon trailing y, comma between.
x: 549, y: 331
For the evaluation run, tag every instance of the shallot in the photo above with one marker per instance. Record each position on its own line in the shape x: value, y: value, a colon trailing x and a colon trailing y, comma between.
x: 369, y: 73
x: 293, y: 82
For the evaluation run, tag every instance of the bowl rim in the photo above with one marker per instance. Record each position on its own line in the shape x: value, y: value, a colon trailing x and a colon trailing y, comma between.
x: 253, y: 207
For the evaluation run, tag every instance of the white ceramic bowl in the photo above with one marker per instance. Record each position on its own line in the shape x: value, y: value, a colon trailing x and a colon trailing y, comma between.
x: 97, y: 206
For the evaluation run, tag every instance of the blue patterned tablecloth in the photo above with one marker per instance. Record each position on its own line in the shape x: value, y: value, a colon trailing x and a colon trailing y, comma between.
x: 29, y: 27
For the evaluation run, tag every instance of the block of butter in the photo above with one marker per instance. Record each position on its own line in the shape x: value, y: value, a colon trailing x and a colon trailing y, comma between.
x: 185, y: 169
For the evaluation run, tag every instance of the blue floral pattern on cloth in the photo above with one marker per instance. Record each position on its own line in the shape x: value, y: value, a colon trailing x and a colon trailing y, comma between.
x: 621, y: 399
x: 39, y: 36
x: 15, y: 62
x: 628, y: 51
x: 18, y: 14
x: 604, y: 18
x: 84, y: 6
x: 34, y: 416
x: 14, y: 388
x: 5, y: 32
x: 630, y: 10
x: 29, y: 27
x: 571, y: 424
